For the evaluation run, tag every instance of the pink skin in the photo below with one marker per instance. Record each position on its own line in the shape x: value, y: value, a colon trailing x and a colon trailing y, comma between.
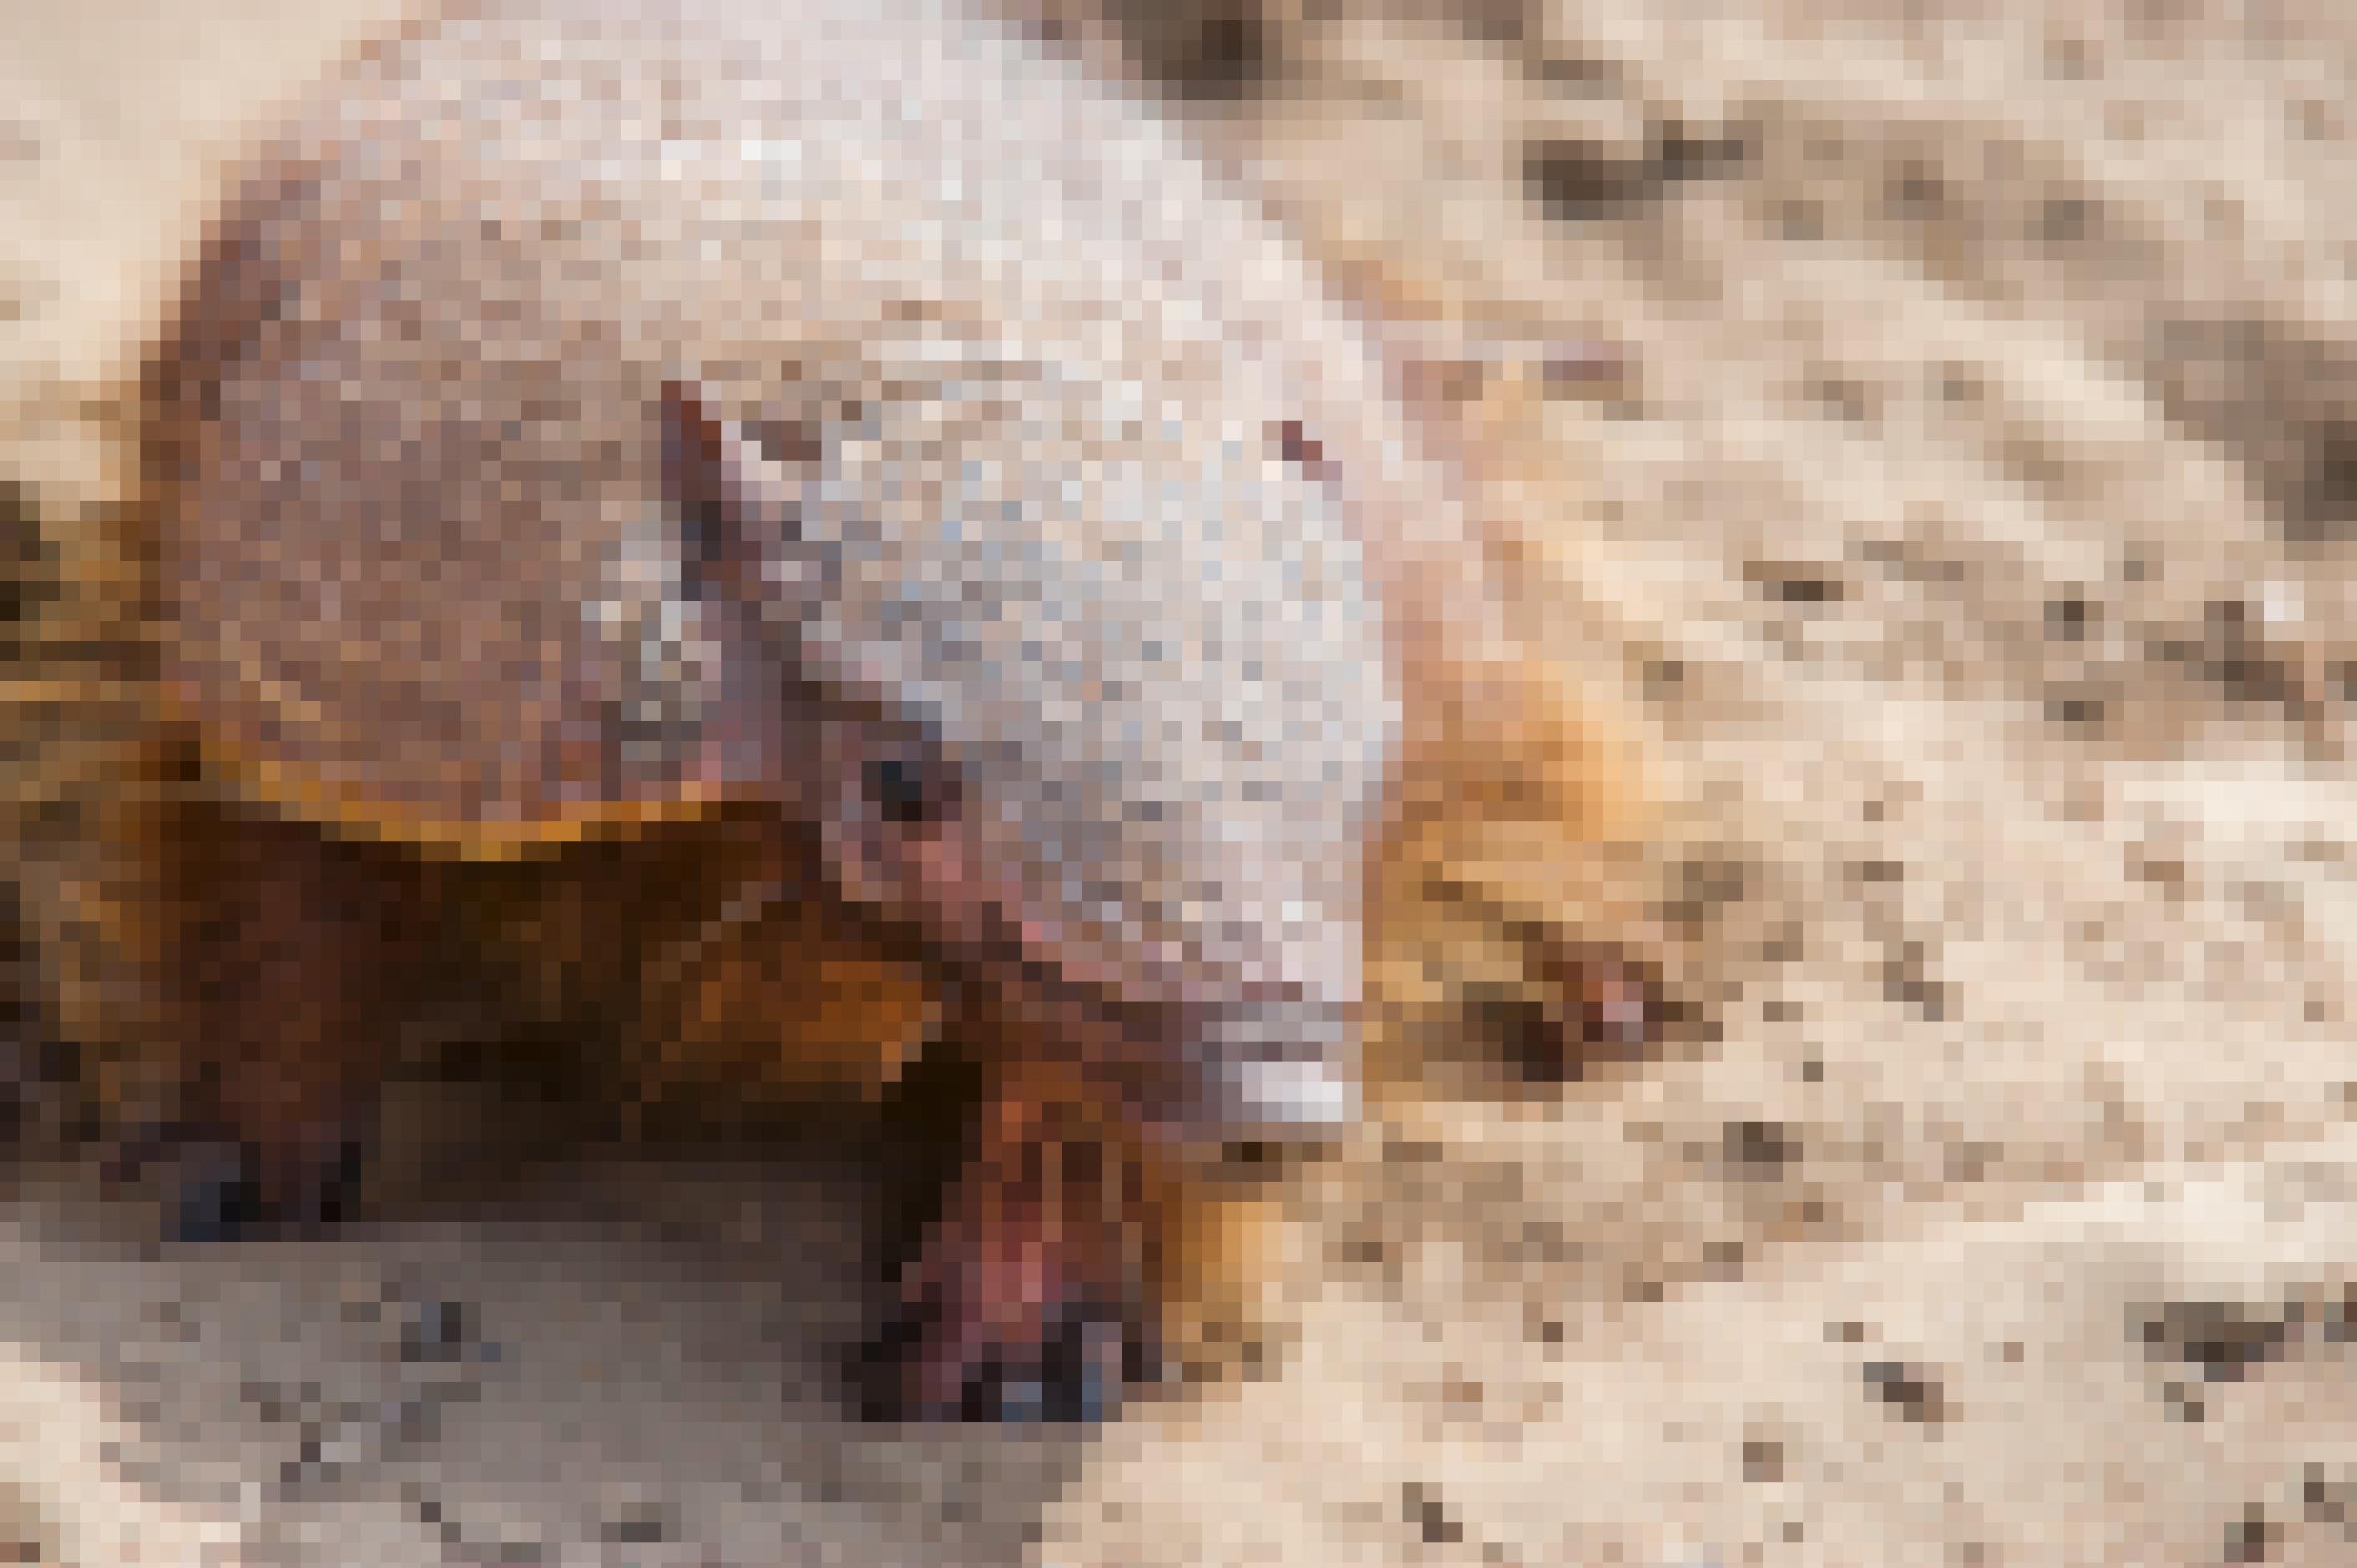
x: 1030, y: 1235
x: 998, y: 1266
x: 1025, y: 1291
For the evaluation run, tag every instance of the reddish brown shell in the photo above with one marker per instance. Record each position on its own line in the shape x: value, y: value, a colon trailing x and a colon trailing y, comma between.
x: 378, y: 608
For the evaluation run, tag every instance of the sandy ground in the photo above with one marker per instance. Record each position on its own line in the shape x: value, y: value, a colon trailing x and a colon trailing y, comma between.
x: 1944, y: 434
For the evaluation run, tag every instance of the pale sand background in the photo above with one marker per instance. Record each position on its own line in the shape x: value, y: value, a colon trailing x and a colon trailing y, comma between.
x: 1972, y: 517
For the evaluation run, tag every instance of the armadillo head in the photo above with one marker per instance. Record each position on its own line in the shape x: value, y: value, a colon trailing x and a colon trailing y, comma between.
x: 1089, y: 683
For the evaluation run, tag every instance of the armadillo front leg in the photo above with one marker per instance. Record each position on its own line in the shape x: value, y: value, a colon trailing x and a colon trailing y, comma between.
x: 1031, y: 1297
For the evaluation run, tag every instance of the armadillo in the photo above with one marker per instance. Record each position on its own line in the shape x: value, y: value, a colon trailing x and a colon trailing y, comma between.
x: 589, y: 413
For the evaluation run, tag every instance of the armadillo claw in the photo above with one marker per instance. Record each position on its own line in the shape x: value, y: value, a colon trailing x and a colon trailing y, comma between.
x: 1003, y: 1328
x: 213, y: 1190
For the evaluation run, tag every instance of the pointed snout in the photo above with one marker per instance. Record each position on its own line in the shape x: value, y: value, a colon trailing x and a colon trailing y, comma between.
x: 1279, y: 1072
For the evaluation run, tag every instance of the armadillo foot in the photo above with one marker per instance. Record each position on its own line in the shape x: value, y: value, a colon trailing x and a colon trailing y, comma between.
x: 213, y: 1188
x: 1026, y: 1302
x: 939, y: 1358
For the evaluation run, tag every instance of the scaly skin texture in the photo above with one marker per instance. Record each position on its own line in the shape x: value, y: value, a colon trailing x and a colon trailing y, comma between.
x: 592, y: 416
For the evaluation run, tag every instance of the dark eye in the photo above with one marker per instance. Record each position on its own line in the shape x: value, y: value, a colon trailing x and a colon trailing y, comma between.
x: 908, y: 789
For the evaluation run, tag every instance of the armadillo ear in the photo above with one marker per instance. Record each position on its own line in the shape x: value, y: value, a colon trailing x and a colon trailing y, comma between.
x: 731, y: 509
x: 733, y: 493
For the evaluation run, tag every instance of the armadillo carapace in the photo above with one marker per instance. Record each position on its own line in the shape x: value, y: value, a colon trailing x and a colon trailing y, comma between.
x: 591, y: 413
